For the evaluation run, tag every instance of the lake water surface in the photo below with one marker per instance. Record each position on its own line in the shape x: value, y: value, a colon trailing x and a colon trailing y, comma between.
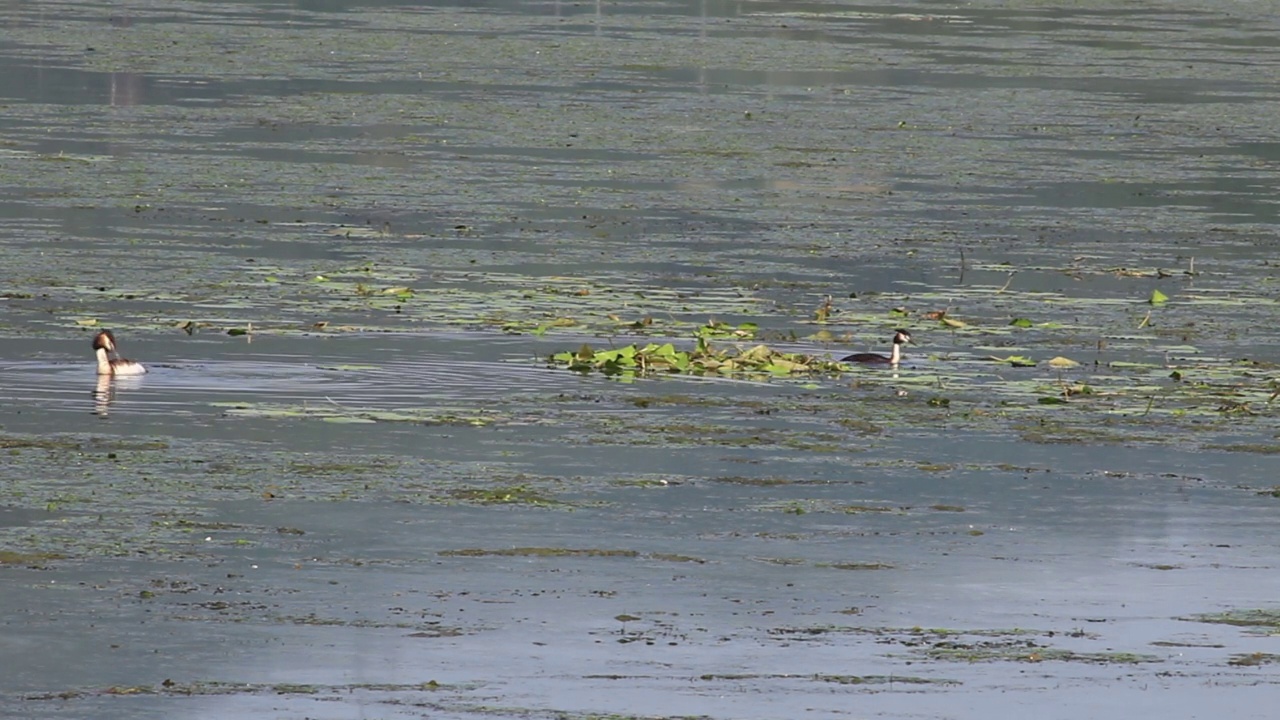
x: 347, y: 236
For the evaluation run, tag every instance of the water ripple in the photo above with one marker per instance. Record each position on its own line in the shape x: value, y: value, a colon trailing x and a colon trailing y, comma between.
x: 187, y: 387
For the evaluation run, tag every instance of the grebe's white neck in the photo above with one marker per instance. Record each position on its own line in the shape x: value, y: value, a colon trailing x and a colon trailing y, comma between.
x: 895, y: 355
x: 104, y: 364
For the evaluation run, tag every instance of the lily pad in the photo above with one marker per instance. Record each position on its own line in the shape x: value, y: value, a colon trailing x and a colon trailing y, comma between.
x: 1014, y: 360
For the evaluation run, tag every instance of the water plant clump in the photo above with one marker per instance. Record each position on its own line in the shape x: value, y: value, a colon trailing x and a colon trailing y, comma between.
x: 704, y: 359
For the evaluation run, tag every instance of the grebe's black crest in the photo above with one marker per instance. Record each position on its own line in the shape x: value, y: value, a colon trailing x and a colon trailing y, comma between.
x: 104, y: 341
x: 900, y: 338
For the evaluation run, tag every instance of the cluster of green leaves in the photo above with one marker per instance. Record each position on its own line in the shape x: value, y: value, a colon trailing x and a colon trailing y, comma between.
x: 704, y: 359
x: 717, y: 329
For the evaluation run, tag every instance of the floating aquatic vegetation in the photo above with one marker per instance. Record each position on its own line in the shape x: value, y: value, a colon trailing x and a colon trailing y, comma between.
x: 836, y: 679
x: 211, y: 688
x: 1032, y: 653
x: 947, y: 321
x: 1253, y: 659
x: 1259, y: 618
x: 29, y: 559
x: 883, y: 680
x: 857, y: 566
x: 976, y: 645
x: 1014, y: 360
x: 544, y: 552
x: 506, y: 495
x: 340, y: 414
x: 704, y: 359
x: 717, y: 329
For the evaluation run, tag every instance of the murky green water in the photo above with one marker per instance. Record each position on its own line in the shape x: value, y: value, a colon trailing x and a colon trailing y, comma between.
x: 378, y: 498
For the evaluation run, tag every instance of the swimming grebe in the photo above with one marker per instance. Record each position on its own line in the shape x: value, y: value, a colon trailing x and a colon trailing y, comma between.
x: 104, y: 345
x: 899, y: 338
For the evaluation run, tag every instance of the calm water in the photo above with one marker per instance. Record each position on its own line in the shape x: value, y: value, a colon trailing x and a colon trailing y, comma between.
x: 382, y: 502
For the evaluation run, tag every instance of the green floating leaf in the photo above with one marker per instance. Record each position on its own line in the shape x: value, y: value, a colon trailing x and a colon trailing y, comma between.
x: 235, y: 332
x: 1158, y: 297
x: 1126, y: 365
x: 1063, y: 363
x: 1014, y: 360
x: 541, y: 330
x: 1020, y: 322
x: 1051, y: 400
x: 715, y: 329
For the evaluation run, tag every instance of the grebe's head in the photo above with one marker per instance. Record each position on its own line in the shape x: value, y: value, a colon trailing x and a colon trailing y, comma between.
x: 104, y: 341
x: 901, y: 337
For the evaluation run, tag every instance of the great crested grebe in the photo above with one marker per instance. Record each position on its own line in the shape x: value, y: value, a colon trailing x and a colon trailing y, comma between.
x: 104, y: 345
x: 900, y: 337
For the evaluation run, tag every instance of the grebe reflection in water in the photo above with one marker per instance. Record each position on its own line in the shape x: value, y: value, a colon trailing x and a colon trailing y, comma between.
x: 104, y: 392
